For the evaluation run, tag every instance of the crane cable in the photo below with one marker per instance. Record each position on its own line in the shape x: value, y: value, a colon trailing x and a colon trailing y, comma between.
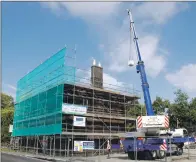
x: 130, y: 43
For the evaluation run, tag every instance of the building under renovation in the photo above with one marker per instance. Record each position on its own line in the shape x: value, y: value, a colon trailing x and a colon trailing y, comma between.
x: 63, y: 110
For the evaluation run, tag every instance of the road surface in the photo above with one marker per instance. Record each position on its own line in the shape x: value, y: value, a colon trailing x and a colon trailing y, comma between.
x: 20, y: 157
x: 16, y: 158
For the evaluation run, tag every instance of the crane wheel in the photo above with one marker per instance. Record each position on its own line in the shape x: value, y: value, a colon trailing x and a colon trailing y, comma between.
x: 148, y: 155
x: 179, y: 151
x: 131, y: 155
x: 154, y: 154
x: 160, y: 154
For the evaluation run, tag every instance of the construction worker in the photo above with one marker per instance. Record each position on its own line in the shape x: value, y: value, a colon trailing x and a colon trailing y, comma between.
x: 108, y: 149
x: 121, y: 145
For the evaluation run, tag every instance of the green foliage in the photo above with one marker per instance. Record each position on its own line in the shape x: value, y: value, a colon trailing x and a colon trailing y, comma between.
x: 180, y: 108
x: 159, y: 105
x: 6, y: 101
x: 193, y: 109
x: 181, y: 97
x: 7, y: 115
x: 136, y: 110
x: 182, y: 113
x: 131, y: 127
x: 6, y: 119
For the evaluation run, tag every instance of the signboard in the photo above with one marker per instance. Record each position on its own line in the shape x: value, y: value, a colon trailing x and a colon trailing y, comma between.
x: 88, y: 145
x: 78, y: 146
x: 83, y: 145
x: 151, y: 121
x: 73, y: 109
x: 79, y: 121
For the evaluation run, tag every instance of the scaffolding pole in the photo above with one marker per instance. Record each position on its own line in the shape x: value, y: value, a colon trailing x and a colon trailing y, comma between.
x: 50, y: 146
x: 60, y: 144
x: 26, y: 143
x: 54, y: 147
x: 110, y: 116
x: 37, y: 144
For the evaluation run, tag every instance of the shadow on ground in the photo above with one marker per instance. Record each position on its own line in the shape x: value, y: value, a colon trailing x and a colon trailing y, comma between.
x: 119, y: 157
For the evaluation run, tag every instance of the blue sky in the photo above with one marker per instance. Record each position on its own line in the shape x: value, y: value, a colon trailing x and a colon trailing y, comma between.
x: 33, y: 31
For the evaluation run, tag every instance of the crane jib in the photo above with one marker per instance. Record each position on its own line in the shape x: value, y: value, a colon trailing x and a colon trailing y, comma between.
x: 140, y: 69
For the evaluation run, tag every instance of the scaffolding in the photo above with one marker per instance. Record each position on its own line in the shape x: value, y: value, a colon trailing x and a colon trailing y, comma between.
x: 45, y: 100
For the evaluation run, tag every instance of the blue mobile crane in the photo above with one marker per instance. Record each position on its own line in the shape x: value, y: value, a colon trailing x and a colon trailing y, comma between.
x: 149, y: 142
x: 140, y: 69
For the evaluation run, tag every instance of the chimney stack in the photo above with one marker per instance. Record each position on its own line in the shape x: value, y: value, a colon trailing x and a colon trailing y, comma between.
x: 96, y: 75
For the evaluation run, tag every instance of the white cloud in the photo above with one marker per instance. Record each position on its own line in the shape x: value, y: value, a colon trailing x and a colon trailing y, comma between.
x: 109, y: 82
x: 53, y: 6
x: 149, y: 47
x: 156, y: 12
x: 184, y: 77
x: 152, y: 53
x: 85, y: 10
x: 159, y: 12
x: 113, y: 28
x: 91, y: 9
x: 154, y: 59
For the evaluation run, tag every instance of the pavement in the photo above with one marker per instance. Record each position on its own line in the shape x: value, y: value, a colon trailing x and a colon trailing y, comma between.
x: 24, y: 157
x: 5, y: 157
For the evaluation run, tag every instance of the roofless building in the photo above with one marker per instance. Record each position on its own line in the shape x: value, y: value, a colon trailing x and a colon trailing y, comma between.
x: 59, y: 106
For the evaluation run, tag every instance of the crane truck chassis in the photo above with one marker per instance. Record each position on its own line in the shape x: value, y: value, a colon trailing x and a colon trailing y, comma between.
x: 150, y: 142
x: 142, y: 147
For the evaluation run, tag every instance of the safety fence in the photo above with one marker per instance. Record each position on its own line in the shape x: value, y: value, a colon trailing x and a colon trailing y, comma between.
x: 95, y: 147
x: 64, y: 145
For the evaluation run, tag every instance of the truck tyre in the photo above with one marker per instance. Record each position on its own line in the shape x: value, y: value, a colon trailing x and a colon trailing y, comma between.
x: 160, y: 154
x: 154, y: 154
x: 147, y: 155
x: 131, y: 155
x: 179, y: 151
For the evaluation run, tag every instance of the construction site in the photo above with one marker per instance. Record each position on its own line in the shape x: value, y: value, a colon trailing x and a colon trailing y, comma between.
x: 67, y: 112
x: 63, y: 110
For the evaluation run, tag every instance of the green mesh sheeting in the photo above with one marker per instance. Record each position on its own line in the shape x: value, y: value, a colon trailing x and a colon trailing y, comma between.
x: 50, y: 73
x: 40, y: 114
x: 39, y: 97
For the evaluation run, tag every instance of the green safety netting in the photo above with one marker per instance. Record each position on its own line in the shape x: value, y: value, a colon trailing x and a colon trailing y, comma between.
x: 39, y: 97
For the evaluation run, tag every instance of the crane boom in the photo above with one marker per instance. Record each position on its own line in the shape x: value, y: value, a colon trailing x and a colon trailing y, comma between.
x: 141, y: 69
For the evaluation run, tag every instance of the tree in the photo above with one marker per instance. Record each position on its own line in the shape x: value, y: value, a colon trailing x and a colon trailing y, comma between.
x: 7, y: 114
x: 136, y: 110
x: 192, y: 109
x: 182, y: 113
x: 180, y: 108
x: 159, y: 105
x: 6, y: 101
